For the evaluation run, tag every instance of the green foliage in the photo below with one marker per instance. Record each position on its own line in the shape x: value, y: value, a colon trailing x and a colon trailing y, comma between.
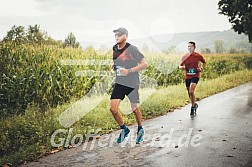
x: 205, y: 51
x: 33, y: 35
x: 16, y: 34
x: 217, y: 65
x: 26, y: 136
x: 70, y: 41
x: 239, y: 15
x: 219, y: 46
x: 36, y: 75
x: 232, y: 51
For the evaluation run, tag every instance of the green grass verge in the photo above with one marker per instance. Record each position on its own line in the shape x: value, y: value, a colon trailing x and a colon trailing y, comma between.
x: 27, y: 137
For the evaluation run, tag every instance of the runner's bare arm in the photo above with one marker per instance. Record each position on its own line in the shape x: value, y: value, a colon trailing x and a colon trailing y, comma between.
x: 203, y: 66
x: 142, y: 65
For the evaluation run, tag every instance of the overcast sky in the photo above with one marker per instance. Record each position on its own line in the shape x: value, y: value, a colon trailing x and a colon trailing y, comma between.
x: 94, y: 20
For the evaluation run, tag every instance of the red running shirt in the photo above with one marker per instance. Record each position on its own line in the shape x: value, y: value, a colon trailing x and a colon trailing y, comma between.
x: 192, y: 61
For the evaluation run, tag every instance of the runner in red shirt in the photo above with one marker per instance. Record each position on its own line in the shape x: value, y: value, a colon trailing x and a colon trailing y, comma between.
x: 190, y: 64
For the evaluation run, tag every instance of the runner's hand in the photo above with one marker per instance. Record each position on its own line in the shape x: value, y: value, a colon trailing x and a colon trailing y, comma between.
x: 200, y: 69
x: 181, y: 68
x: 124, y: 71
x: 112, y: 70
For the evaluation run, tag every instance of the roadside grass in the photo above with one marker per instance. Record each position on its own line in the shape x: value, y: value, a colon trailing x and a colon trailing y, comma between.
x: 27, y: 137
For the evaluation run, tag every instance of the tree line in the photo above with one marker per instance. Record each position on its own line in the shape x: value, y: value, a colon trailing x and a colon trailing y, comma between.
x: 34, y: 35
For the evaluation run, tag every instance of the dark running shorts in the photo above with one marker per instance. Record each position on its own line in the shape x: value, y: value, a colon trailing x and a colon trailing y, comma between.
x: 119, y: 92
x: 189, y: 81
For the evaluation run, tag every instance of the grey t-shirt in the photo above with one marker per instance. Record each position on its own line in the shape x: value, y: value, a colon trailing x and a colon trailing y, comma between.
x: 127, y: 57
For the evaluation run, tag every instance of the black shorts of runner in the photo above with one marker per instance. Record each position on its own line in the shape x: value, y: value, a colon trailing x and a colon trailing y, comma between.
x: 189, y: 81
x: 119, y: 92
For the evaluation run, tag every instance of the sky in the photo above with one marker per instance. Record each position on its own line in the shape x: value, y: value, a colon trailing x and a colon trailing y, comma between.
x: 94, y: 20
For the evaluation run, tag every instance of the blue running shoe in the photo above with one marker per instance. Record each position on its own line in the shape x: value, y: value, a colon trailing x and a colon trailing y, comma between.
x: 140, y: 135
x: 124, y: 133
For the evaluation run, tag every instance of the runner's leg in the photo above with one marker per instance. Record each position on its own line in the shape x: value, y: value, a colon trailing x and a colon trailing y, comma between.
x: 188, y: 91
x: 188, y: 82
x: 137, y: 113
x: 134, y: 101
x: 114, y: 105
x: 192, y: 94
x: 114, y: 109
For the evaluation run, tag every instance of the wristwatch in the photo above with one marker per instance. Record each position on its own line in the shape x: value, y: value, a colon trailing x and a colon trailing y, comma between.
x: 130, y: 71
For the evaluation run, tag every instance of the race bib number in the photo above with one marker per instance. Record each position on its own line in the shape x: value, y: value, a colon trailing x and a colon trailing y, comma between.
x: 192, y: 71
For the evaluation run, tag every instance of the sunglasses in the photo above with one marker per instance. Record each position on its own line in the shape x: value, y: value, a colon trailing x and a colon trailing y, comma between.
x: 119, y: 34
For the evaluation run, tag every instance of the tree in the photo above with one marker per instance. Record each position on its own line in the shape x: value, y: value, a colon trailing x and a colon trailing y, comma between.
x: 232, y: 50
x: 70, y: 41
x: 51, y: 41
x: 239, y: 15
x: 35, y: 35
x: 205, y: 50
x: 16, y: 34
x: 218, y: 46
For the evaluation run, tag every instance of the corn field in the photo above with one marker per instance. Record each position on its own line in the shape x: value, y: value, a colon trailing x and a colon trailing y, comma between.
x: 42, y: 75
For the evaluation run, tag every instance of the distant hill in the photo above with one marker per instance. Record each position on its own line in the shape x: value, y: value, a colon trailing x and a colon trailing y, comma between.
x: 180, y: 40
x: 202, y: 39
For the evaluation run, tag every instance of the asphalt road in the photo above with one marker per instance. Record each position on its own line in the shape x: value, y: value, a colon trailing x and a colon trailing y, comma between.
x: 219, y: 135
